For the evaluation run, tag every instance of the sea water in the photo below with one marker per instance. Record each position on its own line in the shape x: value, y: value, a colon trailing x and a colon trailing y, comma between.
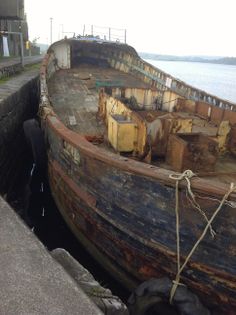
x: 216, y: 79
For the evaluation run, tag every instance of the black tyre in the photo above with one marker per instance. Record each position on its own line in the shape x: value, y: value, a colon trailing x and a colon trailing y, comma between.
x: 152, y: 298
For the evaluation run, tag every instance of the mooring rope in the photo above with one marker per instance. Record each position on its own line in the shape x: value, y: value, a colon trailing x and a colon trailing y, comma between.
x: 187, y: 175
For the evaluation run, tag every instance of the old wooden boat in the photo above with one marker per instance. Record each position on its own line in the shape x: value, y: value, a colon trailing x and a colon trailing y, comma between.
x: 119, y: 133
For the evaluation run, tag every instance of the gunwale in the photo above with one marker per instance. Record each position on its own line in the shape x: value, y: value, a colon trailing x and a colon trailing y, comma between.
x: 201, y: 185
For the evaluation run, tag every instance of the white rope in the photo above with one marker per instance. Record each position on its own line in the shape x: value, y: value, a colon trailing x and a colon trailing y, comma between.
x: 187, y: 175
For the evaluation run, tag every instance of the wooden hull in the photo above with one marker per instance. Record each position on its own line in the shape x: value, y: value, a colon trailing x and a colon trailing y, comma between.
x: 123, y: 211
x: 127, y: 220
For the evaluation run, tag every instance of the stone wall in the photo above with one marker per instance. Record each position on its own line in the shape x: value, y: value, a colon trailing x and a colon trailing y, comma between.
x: 10, y: 70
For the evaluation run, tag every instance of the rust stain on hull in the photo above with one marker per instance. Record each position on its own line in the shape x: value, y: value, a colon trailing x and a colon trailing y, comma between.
x: 201, y: 185
x: 79, y: 206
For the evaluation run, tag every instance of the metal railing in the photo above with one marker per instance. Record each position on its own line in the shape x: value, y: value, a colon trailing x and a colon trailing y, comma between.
x: 105, y: 33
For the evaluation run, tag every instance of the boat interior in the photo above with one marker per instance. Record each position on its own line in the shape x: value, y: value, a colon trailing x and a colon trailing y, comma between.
x: 121, y: 113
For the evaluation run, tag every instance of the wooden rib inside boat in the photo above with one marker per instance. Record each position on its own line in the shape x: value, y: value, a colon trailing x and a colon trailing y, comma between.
x: 117, y: 128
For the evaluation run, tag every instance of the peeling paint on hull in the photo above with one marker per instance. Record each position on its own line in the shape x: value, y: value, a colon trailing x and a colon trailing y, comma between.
x: 129, y: 255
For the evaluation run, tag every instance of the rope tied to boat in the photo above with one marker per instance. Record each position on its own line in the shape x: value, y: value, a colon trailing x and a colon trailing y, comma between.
x: 187, y: 175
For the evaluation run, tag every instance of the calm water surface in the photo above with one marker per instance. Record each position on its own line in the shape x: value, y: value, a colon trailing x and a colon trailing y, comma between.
x: 219, y: 80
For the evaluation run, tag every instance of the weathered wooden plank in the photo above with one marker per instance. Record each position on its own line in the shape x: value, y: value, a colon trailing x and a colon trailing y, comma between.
x: 113, y: 235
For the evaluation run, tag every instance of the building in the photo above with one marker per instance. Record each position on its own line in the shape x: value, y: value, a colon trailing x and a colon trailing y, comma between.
x: 12, y: 9
x: 12, y: 19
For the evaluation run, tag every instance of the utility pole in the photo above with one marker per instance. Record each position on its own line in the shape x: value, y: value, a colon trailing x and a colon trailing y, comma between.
x: 51, y: 30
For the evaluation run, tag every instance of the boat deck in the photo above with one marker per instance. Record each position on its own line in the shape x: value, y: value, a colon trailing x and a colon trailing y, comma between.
x: 74, y: 95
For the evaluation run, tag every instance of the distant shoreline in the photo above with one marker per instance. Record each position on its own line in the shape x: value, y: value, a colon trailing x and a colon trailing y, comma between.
x: 203, y: 59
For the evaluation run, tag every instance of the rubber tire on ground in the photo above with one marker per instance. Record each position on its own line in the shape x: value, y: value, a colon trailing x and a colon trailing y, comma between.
x: 155, y: 292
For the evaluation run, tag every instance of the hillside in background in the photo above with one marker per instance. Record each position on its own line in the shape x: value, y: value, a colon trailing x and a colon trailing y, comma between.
x: 206, y: 59
x: 43, y: 47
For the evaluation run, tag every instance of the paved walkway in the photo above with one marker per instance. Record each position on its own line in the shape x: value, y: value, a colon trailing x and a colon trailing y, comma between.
x: 32, y: 282
x: 9, y: 62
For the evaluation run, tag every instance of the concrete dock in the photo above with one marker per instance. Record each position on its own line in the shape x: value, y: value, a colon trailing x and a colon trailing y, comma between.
x: 32, y: 282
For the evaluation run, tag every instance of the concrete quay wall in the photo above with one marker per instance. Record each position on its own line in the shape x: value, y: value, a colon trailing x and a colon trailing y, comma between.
x: 18, y: 102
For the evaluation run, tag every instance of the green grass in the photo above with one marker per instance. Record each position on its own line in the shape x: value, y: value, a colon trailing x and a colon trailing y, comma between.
x: 6, y: 58
x: 35, y: 66
x: 31, y: 67
x: 3, y: 80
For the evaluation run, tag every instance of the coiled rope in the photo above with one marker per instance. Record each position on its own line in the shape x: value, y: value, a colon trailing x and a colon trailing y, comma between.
x: 187, y: 175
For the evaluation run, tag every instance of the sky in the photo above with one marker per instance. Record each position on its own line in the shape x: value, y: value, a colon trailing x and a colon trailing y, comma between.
x: 173, y: 27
